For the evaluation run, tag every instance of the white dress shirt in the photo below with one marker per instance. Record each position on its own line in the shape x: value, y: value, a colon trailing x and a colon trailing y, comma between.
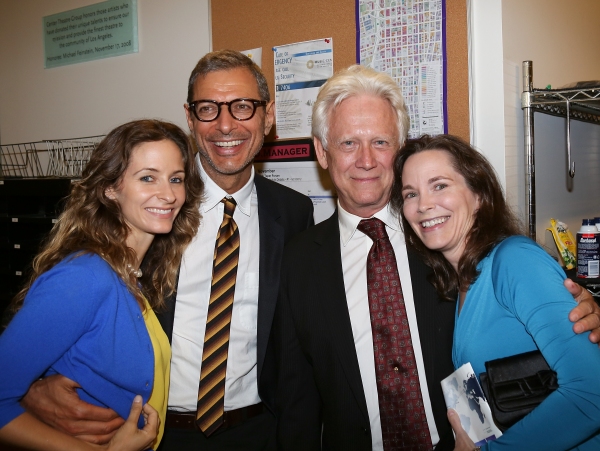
x: 355, y: 247
x: 193, y: 292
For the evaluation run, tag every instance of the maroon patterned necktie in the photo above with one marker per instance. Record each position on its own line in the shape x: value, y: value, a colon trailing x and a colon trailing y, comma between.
x: 403, y: 420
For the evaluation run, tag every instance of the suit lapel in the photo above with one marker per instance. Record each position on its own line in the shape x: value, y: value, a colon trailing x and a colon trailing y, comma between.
x: 272, y: 237
x: 329, y: 274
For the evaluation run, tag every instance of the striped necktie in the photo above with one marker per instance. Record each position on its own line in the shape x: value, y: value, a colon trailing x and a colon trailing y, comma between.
x: 211, y: 392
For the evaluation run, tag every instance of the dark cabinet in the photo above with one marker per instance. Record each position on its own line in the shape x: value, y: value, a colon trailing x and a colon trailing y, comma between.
x: 28, y: 211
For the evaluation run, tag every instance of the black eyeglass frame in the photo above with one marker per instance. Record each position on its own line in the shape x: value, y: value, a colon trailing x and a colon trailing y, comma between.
x: 192, y: 107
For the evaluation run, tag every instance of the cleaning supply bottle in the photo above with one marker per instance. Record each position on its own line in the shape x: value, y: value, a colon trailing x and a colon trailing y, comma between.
x: 588, y: 250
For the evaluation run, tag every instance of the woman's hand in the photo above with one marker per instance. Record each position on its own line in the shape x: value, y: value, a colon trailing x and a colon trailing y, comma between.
x: 129, y: 437
x: 462, y: 442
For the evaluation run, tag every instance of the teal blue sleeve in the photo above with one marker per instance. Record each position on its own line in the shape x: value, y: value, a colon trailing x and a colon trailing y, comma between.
x: 529, y: 283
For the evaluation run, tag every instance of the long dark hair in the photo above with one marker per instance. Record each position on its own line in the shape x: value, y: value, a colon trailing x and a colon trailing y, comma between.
x: 493, y: 222
x: 93, y: 223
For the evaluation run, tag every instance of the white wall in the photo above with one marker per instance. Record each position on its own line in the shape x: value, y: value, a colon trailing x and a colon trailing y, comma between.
x: 485, y: 79
x: 91, y: 98
x: 562, y: 39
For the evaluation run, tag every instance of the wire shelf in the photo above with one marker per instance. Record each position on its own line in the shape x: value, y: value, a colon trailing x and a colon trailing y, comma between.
x: 21, y: 160
x: 68, y: 157
x: 63, y: 158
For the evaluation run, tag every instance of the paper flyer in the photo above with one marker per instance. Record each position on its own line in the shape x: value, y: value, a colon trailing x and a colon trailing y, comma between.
x: 306, y: 177
x: 255, y: 55
x: 300, y: 70
x: 463, y: 393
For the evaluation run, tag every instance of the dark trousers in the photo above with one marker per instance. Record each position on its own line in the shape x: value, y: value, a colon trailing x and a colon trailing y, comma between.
x: 254, y: 434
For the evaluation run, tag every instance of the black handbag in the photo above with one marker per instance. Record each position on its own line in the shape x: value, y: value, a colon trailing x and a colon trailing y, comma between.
x: 516, y: 385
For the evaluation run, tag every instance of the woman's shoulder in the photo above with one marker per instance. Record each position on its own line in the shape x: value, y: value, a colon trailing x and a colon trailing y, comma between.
x: 81, y: 266
x: 85, y: 261
x: 519, y: 253
x: 515, y: 245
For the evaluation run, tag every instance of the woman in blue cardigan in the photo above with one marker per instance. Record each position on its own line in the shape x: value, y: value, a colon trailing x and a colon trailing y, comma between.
x: 509, y: 291
x: 87, y: 312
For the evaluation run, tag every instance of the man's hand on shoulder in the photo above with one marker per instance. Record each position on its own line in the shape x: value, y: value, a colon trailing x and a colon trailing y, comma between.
x: 586, y: 315
x: 54, y: 400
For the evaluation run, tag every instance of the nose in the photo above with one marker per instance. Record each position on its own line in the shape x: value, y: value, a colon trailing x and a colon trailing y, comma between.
x: 166, y: 193
x: 424, y: 202
x: 366, y: 158
x: 225, y: 123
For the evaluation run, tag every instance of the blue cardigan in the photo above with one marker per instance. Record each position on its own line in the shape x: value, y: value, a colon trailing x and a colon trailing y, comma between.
x: 78, y: 320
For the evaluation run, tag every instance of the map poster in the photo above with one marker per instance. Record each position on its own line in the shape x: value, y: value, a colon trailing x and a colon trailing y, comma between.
x: 463, y: 393
x: 101, y: 30
x: 405, y: 39
x: 300, y: 70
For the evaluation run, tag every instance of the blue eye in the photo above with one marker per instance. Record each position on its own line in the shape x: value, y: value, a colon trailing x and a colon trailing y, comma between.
x: 176, y: 180
x: 440, y: 186
x: 146, y: 178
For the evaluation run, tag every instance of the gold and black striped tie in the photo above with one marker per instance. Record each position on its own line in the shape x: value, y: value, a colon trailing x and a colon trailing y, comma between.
x: 211, y: 393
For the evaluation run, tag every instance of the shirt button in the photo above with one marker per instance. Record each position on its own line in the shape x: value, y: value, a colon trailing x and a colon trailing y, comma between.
x: 396, y: 369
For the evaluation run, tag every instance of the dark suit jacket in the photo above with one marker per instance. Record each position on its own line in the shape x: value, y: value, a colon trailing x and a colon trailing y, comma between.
x: 282, y: 213
x: 320, y: 399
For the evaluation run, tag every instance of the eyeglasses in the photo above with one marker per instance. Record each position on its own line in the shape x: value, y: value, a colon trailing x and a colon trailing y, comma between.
x: 240, y: 109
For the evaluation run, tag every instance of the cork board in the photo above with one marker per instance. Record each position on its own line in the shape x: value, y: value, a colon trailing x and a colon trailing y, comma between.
x: 243, y: 24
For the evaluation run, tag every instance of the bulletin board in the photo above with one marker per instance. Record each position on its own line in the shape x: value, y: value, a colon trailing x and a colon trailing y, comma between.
x: 242, y: 25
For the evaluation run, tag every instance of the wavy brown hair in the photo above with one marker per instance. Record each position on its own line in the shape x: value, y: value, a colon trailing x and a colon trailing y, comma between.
x: 93, y: 223
x: 494, y: 220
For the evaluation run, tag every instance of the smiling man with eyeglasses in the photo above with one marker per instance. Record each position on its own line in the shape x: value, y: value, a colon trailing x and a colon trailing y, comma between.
x: 229, y: 111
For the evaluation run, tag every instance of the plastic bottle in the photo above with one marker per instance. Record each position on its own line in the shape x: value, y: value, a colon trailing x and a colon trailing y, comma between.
x: 588, y: 250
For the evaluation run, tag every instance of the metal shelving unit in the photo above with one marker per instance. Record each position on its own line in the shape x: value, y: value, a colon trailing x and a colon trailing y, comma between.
x: 66, y: 158
x: 579, y: 103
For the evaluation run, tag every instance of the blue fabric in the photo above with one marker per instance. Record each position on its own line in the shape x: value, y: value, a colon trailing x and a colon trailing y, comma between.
x: 78, y: 320
x: 519, y: 304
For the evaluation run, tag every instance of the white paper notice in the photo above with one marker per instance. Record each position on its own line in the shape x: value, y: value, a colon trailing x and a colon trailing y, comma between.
x: 431, y: 118
x: 307, y: 178
x: 255, y: 55
x: 463, y: 393
x: 300, y: 70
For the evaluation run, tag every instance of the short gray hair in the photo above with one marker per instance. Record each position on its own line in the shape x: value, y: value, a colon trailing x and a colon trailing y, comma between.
x: 223, y: 60
x: 354, y: 81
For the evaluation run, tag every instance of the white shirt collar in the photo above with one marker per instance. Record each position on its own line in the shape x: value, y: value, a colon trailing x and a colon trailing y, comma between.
x: 349, y: 222
x: 213, y: 193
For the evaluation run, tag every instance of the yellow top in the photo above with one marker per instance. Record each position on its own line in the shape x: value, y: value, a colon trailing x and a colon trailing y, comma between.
x: 162, y: 367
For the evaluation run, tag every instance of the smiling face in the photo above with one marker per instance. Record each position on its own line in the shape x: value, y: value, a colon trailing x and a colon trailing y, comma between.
x: 150, y: 192
x: 363, y: 140
x: 438, y: 204
x: 228, y: 146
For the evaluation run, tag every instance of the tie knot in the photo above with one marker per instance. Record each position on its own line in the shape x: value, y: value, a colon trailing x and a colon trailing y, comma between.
x: 230, y: 204
x: 374, y: 228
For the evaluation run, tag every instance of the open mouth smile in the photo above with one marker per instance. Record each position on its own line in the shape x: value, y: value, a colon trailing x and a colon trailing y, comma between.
x: 434, y: 222
x: 228, y: 143
x: 159, y: 211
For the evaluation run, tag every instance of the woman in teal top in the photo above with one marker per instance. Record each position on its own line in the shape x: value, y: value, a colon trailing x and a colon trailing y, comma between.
x: 511, y: 297
x: 113, y: 254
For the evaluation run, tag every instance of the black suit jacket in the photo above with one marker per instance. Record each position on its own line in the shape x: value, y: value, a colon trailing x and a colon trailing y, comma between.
x: 320, y: 398
x: 282, y: 213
